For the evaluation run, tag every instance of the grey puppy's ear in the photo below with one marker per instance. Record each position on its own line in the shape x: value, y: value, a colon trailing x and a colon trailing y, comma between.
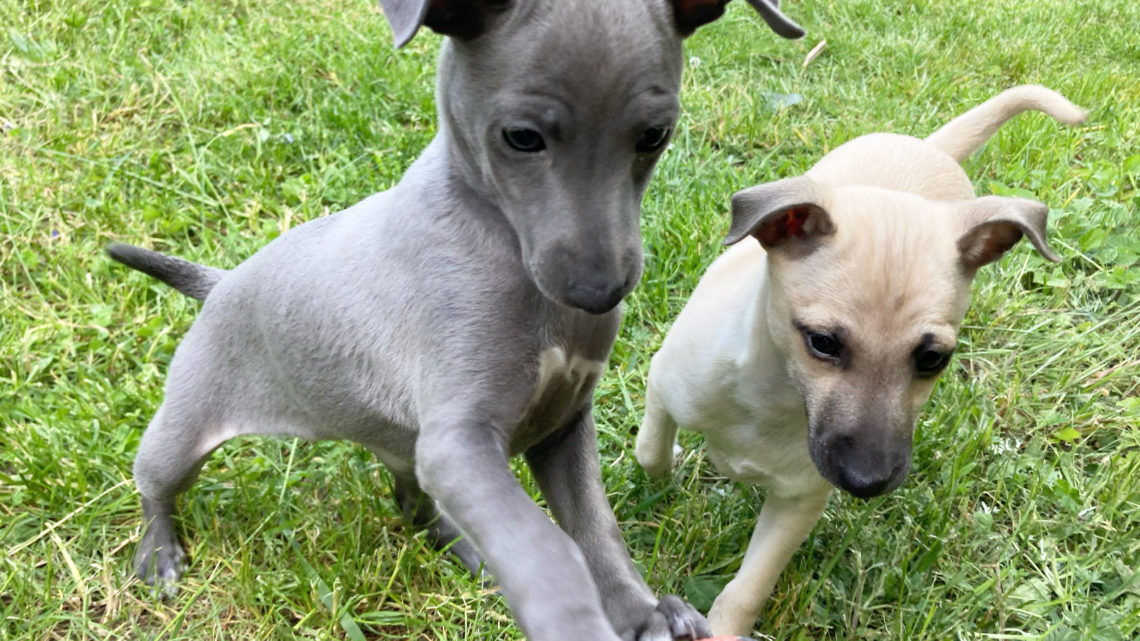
x: 769, y: 10
x: 456, y: 18
x: 691, y: 14
x: 782, y: 213
x: 404, y: 17
x: 994, y: 224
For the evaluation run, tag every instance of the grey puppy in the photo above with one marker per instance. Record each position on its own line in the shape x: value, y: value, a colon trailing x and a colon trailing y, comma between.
x: 807, y: 350
x: 463, y: 316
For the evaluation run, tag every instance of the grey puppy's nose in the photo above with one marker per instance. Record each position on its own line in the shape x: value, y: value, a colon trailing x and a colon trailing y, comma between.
x: 595, y: 299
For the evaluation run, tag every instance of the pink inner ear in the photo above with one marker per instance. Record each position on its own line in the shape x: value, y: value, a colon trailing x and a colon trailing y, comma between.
x: 783, y: 227
x: 795, y: 220
x: 992, y: 242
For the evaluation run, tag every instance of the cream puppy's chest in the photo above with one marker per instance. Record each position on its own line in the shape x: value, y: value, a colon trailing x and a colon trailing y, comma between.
x: 770, y: 450
x: 564, y: 384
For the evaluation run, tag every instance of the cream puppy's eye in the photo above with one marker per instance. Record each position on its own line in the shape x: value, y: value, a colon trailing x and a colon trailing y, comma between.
x: 823, y: 346
x: 929, y: 362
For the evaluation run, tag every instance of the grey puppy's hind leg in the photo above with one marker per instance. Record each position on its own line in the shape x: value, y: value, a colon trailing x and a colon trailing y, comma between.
x: 160, y: 559
x: 421, y: 511
x: 170, y: 455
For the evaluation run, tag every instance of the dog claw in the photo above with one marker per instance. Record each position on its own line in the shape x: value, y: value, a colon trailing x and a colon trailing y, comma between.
x: 683, y: 619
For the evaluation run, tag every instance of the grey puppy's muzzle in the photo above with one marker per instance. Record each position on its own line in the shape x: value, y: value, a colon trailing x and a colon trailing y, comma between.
x: 591, y: 279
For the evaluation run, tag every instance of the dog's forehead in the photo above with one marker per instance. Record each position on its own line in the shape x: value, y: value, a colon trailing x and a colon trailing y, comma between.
x: 583, y: 47
x: 890, y: 270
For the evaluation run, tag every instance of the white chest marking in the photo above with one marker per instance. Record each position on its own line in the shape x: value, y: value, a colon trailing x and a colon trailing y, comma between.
x: 557, y: 371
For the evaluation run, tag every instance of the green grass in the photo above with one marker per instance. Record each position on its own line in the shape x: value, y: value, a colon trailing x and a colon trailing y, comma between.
x: 207, y: 128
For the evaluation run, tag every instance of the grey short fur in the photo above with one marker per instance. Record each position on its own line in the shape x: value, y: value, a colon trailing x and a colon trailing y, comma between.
x: 463, y: 316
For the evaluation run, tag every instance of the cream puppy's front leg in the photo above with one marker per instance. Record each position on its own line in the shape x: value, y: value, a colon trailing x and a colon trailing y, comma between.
x: 655, y: 439
x: 783, y: 525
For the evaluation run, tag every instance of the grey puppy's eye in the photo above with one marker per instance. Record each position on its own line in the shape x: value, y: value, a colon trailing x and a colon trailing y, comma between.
x: 524, y: 140
x: 653, y: 139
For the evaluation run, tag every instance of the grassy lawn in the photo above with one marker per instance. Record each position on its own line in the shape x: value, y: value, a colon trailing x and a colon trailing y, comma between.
x: 208, y: 128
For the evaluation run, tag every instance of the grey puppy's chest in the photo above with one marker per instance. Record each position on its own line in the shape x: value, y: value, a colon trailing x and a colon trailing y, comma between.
x: 563, y: 371
x: 563, y: 386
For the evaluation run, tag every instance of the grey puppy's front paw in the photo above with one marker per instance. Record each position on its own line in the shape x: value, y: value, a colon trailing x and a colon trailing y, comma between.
x: 671, y: 620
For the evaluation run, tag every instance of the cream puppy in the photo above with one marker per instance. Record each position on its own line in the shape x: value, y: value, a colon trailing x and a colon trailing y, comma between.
x: 806, y: 352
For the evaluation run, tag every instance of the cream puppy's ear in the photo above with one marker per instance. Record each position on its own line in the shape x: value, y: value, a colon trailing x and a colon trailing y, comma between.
x: 994, y: 224
x: 782, y: 213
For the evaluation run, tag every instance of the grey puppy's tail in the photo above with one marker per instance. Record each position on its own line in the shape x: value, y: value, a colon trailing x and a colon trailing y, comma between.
x: 965, y: 134
x: 191, y: 279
